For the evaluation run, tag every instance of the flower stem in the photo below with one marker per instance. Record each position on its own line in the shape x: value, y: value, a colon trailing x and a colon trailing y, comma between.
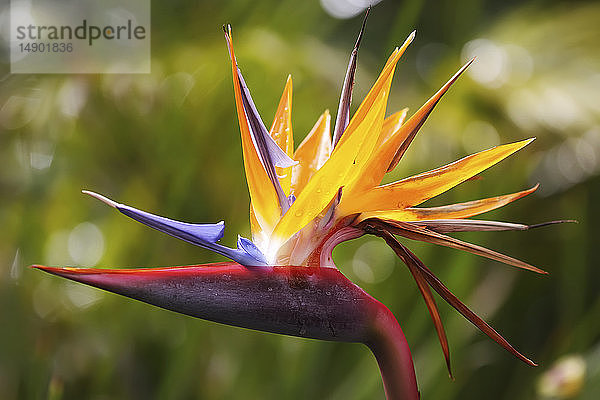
x: 388, y: 344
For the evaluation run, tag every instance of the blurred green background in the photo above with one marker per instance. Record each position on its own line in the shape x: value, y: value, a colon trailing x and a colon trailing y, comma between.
x: 168, y: 142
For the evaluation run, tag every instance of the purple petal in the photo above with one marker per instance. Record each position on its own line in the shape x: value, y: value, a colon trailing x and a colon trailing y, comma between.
x: 193, y: 233
x: 203, y: 235
x: 270, y: 154
x: 274, y: 153
x: 249, y: 248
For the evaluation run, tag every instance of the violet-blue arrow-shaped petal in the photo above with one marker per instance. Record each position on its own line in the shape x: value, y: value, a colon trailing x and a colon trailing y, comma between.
x: 203, y: 235
x: 269, y: 152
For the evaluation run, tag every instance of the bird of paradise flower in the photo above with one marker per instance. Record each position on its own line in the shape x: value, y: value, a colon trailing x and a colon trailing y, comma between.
x: 303, y: 204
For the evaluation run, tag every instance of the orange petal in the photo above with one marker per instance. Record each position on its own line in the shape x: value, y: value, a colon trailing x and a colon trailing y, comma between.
x: 281, y: 132
x: 262, y: 193
x: 255, y: 227
x: 412, y: 126
x: 412, y: 191
x: 312, y: 153
x: 452, y: 211
x: 348, y: 159
x: 391, y: 151
x: 391, y: 125
x: 333, y: 175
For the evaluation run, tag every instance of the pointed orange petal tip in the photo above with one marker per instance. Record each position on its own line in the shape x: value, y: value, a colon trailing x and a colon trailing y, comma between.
x: 450, y: 211
x: 409, y: 39
x: 461, y: 70
x: 414, y: 190
x: 409, y: 130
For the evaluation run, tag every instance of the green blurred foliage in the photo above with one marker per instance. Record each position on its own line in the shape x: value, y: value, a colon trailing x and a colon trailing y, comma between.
x: 167, y: 142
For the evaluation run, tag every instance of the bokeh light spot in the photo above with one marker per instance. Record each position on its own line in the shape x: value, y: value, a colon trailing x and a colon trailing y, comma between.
x: 86, y: 244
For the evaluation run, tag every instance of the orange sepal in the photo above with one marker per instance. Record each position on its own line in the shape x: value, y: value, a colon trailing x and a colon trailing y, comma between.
x: 262, y: 193
x: 347, y: 159
x: 281, y: 132
x: 312, y: 153
x: 412, y: 191
x: 451, y: 211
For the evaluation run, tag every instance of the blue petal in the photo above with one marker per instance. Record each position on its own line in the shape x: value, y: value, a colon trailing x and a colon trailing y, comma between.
x: 269, y: 153
x: 193, y: 233
x: 250, y: 248
x: 203, y: 235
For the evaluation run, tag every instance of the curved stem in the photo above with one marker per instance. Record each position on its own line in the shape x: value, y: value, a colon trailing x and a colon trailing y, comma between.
x: 388, y: 344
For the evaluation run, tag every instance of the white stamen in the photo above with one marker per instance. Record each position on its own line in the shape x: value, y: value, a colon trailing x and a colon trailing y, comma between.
x: 103, y: 199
